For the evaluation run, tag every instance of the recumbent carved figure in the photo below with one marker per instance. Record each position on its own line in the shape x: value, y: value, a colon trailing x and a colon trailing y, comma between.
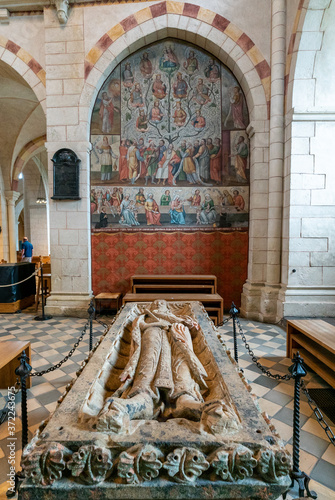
x: 164, y: 378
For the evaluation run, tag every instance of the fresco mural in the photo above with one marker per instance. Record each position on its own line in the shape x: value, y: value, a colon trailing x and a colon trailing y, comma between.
x: 169, y: 145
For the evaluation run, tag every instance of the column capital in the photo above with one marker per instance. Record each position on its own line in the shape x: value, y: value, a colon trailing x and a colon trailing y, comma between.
x: 12, y: 196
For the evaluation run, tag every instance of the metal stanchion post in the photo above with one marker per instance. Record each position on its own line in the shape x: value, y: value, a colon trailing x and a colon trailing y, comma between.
x: 43, y: 317
x: 233, y: 312
x: 22, y: 371
x: 91, y: 312
x: 298, y: 372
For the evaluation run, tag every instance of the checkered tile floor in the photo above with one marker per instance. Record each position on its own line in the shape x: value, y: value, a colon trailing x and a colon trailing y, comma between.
x: 51, y: 340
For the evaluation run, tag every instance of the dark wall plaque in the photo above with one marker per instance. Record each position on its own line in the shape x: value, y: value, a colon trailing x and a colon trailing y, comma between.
x: 66, y: 175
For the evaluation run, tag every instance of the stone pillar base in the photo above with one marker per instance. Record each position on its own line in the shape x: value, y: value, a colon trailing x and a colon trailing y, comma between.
x: 68, y: 304
x: 259, y: 302
x: 307, y: 302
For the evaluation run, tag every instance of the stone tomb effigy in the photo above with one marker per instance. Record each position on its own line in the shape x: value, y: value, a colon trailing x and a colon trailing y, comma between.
x: 158, y: 412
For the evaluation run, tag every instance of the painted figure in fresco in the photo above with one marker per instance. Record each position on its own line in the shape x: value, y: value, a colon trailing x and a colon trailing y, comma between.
x: 103, y: 221
x: 203, y: 159
x: 201, y: 93
x: 156, y: 114
x: 146, y: 65
x: 180, y: 87
x: 127, y: 213
x: 198, y: 121
x: 195, y: 199
x: 127, y: 76
x: 152, y: 211
x: 140, y: 197
x: 94, y: 202
x: 189, y: 166
x: 158, y: 87
x: 238, y: 200
x: 115, y: 200
x: 226, y: 198
x: 133, y: 157
x: 151, y: 156
x: 179, y: 116
x: 169, y: 59
x: 212, y: 71
x: 143, y: 169
x: 106, y: 160
x: 136, y: 98
x: 177, y: 211
x: 196, y: 147
x: 208, y: 212
x: 142, y: 121
x: 236, y: 108
x: 241, y: 159
x: 106, y: 113
x: 210, y: 144
x: 123, y: 164
x: 177, y: 172
x: 191, y: 63
x: 163, y: 165
x: 215, y: 163
x: 165, y: 199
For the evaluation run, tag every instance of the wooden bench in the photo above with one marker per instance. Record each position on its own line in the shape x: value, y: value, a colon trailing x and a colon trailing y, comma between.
x: 108, y: 297
x: 10, y: 352
x: 206, y: 283
x: 315, y: 341
x: 213, y: 303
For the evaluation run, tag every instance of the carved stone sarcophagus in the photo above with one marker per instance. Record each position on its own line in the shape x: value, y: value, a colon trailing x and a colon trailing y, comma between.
x: 159, y: 411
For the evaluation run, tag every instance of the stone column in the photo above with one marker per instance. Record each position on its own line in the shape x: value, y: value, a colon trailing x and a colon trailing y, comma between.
x: 11, y: 198
x: 71, y: 287
x: 270, y: 292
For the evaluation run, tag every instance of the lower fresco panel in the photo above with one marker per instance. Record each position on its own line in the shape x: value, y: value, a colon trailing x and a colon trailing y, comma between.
x: 116, y: 256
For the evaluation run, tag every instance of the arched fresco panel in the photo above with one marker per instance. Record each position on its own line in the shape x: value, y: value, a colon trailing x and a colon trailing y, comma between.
x: 170, y: 148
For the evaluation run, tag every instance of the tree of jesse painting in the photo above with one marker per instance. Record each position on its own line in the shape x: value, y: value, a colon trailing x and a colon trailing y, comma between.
x: 170, y: 120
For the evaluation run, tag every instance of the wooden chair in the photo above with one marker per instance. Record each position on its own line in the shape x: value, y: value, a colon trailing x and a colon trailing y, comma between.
x: 46, y: 281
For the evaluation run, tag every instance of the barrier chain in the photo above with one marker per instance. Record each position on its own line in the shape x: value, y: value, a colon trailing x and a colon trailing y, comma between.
x: 318, y: 414
x: 251, y: 353
x: 58, y: 365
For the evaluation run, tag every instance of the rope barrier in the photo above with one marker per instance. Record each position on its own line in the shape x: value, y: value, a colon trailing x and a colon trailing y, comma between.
x: 18, y: 283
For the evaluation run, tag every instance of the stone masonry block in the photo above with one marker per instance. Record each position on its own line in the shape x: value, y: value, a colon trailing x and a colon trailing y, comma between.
x: 300, y: 146
x: 65, y: 71
x: 299, y: 259
x: 61, y: 34
x: 313, y: 181
x: 309, y: 244
x: 68, y: 237
x: 305, y: 64
x: 73, y: 86
x: 55, y: 48
x: 303, y: 94
x: 311, y: 40
x: 62, y: 116
x: 54, y: 87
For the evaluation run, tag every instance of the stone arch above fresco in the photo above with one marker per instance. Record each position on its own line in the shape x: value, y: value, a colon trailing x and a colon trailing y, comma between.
x: 169, y: 143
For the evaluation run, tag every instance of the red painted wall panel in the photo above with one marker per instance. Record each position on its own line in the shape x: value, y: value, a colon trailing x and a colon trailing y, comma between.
x: 117, y: 256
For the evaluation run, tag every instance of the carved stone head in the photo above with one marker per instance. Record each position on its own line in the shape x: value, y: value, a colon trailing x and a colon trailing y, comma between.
x: 159, y: 305
x: 62, y: 7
